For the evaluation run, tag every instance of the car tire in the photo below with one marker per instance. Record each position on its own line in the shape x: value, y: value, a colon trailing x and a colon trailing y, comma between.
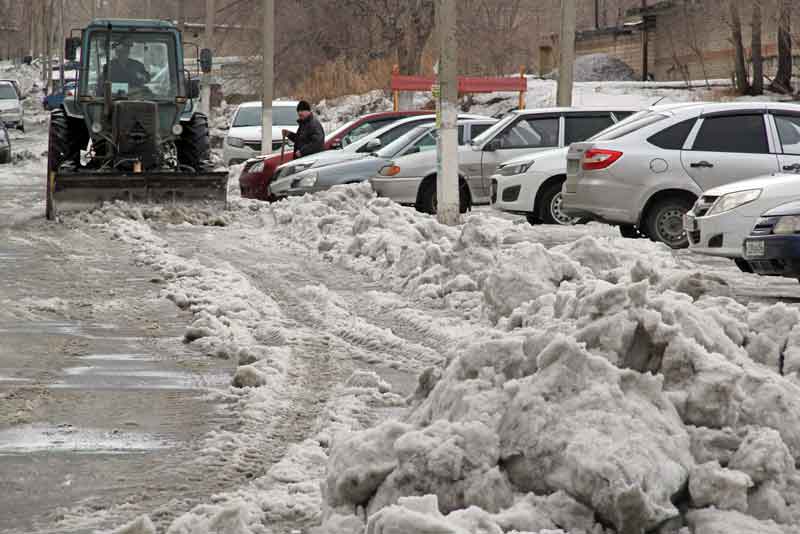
x: 630, y: 231
x: 21, y: 127
x: 549, y: 208
x: 532, y: 219
x: 5, y: 157
x: 664, y: 221
x: 427, y: 196
x: 742, y: 264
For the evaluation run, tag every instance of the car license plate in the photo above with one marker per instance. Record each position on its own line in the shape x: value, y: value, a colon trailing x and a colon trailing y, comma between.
x: 689, y: 223
x: 572, y: 166
x: 754, y: 248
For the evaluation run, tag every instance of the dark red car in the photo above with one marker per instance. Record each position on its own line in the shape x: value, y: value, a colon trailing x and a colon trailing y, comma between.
x: 258, y: 172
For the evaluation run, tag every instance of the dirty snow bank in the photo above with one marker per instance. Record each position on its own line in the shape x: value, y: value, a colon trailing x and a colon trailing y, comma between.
x: 639, y: 392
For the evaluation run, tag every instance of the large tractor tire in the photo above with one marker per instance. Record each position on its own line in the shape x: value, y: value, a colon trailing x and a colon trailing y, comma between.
x: 66, y: 139
x: 194, y: 147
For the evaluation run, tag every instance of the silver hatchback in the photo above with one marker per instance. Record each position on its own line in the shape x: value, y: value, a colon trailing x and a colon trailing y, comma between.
x: 647, y: 175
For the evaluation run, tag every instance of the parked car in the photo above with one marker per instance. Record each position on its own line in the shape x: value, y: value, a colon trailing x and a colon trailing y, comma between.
x: 773, y: 247
x: 5, y: 144
x: 11, y: 112
x: 724, y: 216
x: 530, y: 185
x: 361, y: 148
x: 412, y: 178
x: 647, y: 176
x: 244, y: 135
x: 420, y: 140
x: 56, y: 97
x: 258, y: 172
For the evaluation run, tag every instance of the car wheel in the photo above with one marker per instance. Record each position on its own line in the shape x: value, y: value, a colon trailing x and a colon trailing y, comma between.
x: 5, y: 157
x: 428, y: 201
x: 664, y: 221
x: 21, y: 127
x: 630, y: 231
x: 532, y: 219
x: 550, y: 206
x: 742, y: 264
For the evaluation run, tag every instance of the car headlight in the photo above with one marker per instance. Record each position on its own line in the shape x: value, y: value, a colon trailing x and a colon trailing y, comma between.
x: 235, y: 142
x: 293, y: 169
x: 789, y: 224
x: 511, y: 170
x: 307, y: 180
x: 734, y: 200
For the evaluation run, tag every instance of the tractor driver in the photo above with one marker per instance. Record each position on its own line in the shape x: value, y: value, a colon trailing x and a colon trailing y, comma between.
x: 123, y: 69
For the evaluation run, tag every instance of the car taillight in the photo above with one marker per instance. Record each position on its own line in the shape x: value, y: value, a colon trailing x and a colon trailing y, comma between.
x: 596, y: 158
x: 69, y: 93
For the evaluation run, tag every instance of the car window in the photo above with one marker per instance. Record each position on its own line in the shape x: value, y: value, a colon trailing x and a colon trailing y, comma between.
x: 7, y: 92
x: 460, y: 135
x: 620, y: 115
x: 789, y: 133
x: 632, y: 124
x: 426, y: 142
x: 392, y: 149
x: 477, y: 129
x: 673, y: 137
x: 530, y: 133
x: 582, y: 128
x: 392, y: 134
x: 251, y: 116
x: 490, y: 132
x: 734, y: 133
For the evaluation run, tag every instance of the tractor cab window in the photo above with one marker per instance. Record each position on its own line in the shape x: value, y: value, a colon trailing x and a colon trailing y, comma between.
x: 139, y: 66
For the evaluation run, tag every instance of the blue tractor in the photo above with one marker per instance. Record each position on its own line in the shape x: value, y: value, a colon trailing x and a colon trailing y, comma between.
x: 134, y: 114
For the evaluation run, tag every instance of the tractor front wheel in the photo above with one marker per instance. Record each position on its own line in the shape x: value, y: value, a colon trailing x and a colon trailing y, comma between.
x: 63, y: 145
x: 194, y: 148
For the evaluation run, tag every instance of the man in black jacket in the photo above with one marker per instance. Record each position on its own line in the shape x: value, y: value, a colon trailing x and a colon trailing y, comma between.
x: 310, y: 137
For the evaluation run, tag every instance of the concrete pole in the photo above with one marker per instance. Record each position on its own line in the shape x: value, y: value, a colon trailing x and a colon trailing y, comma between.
x: 94, y: 9
x: 447, y: 115
x: 148, y: 9
x: 267, y: 90
x: 208, y: 42
x: 566, y: 45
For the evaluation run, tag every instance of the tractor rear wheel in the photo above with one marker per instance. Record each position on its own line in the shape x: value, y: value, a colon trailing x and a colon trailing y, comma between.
x: 194, y: 148
x: 66, y: 139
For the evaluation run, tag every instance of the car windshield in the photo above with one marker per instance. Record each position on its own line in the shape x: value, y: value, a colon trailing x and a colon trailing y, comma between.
x: 251, y: 116
x: 7, y: 92
x: 635, y: 122
x: 341, y: 130
x: 390, y: 150
x: 140, y: 65
x: 492, y: 131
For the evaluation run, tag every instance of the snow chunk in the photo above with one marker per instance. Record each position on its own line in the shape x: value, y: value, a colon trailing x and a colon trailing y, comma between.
x: 140, y: 525
x: 248, y: 376
x: 710, y: 484
x: 764, y: 456
x: 712, y: 521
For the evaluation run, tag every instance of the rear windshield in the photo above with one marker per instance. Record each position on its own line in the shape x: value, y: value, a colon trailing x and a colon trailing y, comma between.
x: 251, y: 116
x: 635, y: 122
x: 7, y: 92
x: 400, y: 143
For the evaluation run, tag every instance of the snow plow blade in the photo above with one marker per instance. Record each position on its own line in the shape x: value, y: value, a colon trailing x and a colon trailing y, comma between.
x: 75, y: 191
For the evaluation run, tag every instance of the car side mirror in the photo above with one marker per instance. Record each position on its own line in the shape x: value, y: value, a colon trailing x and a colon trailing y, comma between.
x: 372, y: 145
x: 71, y: 45
x: 492, y: 145
x: 194, y: 88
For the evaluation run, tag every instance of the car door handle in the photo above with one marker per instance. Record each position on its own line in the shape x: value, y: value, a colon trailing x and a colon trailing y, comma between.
x: 701, y: 165
x: 795, y: 167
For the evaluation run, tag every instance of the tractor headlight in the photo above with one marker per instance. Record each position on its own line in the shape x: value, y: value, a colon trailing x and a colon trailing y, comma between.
x: 733, y: 201
x: 177, y: 129
x: 235, y: 142
x: 307, y: 180
x: 514, y: 169
x: 97, y: 127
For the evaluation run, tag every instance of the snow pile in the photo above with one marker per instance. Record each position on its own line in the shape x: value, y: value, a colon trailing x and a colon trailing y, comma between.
x: 639, y: 391
x: 601, y: 68
x: 337, y: 111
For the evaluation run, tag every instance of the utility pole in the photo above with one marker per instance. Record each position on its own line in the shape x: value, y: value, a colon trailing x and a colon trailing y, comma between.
x: 208, y: 42
x: 181, y: 16
x: 566, y: 57
x: 267, y: 90
x: 94, y: 9
x: 645, y: 39
x: 447, y: 198
x: 148, y: 7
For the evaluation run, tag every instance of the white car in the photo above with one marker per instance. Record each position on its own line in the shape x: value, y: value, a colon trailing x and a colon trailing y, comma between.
x: 244, y: 136
x: 11, y: 112
x: 724, y: 216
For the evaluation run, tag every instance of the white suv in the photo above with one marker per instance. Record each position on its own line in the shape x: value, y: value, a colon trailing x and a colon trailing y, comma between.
x: 244, y: 136
x: 647, y: 176
x: 11, y: 112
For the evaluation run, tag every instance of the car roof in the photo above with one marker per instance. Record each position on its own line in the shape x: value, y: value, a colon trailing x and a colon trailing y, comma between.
x: 275, y: 104
x: 574, y: 109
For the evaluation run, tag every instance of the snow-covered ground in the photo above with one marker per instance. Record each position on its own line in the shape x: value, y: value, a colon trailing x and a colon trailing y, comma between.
x: 388, y: 374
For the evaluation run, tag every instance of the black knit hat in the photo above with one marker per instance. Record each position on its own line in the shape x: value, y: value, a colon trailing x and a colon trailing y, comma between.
x: 303, y: 106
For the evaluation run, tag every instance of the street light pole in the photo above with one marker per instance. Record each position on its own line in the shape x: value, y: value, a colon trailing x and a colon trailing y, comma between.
x: 268, y: 50
x: 208, y: 42
x: 566, y: 45
x: 447, y: 197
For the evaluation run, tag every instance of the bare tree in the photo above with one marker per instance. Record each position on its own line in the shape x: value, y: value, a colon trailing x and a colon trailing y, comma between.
x: 740, y: 70
x: 782, y: 83
x: 757, y: 88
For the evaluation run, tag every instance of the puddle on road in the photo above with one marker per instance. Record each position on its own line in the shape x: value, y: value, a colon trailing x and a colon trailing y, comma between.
x: 62, y: 438
x: 44, y: 328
